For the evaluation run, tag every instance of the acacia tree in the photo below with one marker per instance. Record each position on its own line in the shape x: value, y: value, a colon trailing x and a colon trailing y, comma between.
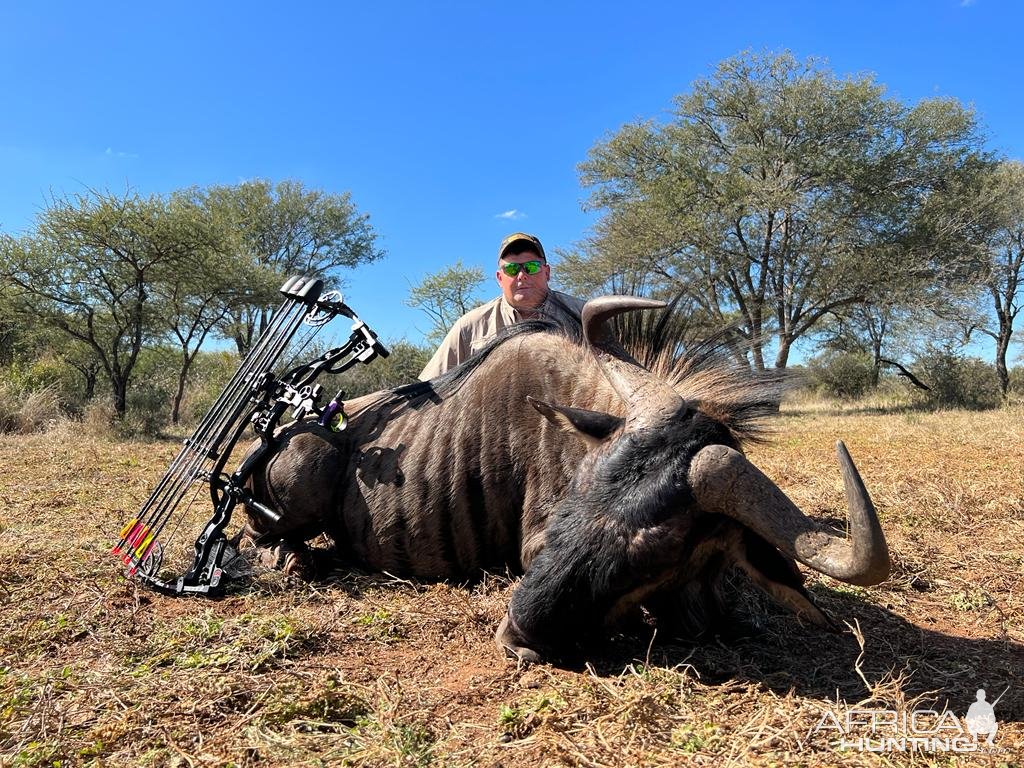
x: 870, y: 329
x: 980, y: 218
x: 286, y: 229
x: 1002, y: 247
x: 445, y: 296
x: 11, y: 330
x: 776, y: 195
x: 207, y: 283
x: 88, y: 270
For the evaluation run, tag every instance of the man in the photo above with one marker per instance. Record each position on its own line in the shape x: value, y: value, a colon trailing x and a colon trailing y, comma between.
x: 523, y: 275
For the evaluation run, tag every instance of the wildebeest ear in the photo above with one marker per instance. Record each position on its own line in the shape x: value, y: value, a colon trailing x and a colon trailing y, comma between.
x: 593, y: 427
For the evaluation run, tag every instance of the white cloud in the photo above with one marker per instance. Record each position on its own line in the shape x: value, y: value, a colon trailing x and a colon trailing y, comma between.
x: 111, y: 153
x: 511, y: 215
x: 967, y: 3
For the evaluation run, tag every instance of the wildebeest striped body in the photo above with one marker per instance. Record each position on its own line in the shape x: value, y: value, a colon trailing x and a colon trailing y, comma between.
x: 443, y: 487
x: 604, y: 483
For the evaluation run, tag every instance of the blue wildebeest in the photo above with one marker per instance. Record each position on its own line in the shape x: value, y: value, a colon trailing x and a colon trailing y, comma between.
x: 607, y: 486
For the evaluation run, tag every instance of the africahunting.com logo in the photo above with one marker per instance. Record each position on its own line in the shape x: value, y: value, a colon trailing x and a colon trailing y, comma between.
x: 918, y: 730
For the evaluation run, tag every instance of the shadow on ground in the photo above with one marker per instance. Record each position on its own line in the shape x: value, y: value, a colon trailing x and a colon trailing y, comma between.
x: 942, y: 669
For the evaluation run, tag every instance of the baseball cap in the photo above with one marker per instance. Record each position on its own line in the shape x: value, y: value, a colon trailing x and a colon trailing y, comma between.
x: 516, y: 237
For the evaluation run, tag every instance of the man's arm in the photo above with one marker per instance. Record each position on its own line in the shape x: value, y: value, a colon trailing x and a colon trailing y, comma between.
x: 453, y: 350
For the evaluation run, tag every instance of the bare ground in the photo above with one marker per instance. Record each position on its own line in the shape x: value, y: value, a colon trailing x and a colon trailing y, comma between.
x: 362, y: 670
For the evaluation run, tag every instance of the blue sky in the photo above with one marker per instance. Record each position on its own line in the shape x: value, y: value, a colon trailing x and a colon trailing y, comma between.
x: 451, y: 123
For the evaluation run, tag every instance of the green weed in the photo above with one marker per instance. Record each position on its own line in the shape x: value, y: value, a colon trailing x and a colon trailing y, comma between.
x: 382, y: 625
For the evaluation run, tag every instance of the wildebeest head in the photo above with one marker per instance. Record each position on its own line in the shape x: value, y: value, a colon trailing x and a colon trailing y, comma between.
x: 663, y: 503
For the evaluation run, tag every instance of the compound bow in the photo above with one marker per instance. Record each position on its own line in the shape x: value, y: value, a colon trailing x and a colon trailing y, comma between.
x: 254, y: 396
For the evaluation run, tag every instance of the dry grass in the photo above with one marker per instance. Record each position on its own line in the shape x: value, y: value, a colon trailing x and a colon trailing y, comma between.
x: 370, y: 671
x: 25, y: 413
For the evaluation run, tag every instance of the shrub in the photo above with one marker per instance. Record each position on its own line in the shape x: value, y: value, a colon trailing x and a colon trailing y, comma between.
x: 846, y: 375
x: 50, y: 373
x: 1017, y: 381
x: 210, y: 373
x: 402, y: 366
x: 24, y: 412
x: 99, y: 418
x: 148, y: 410
x: 151, y: 391
x: 957, y: 381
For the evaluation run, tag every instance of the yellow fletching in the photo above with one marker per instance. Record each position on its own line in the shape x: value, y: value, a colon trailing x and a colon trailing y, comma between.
x: 139, y: 550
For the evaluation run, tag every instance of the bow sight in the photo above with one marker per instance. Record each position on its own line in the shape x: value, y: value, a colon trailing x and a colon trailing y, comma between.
x: 254, y: 396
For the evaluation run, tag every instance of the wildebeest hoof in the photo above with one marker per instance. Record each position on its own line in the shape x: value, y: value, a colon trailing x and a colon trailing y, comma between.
x: 297, y: 564
x: 291, y: 560
x: 509, y: 642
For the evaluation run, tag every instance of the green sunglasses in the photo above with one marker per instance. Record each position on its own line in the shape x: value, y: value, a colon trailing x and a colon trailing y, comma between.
x: 512, y: 268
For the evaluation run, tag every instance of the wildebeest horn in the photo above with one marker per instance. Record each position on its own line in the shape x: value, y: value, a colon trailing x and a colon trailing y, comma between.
x: 724, y: 481
x: 649, y: 400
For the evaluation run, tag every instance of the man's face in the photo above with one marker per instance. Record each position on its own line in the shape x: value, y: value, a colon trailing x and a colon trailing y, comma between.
x: 524, y: 291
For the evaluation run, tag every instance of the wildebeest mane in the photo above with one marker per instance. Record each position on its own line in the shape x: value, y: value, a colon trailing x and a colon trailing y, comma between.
x: 707, y: 369
x: 419, y: 392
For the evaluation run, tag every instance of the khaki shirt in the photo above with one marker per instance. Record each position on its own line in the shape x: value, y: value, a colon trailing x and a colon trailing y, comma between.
x: 478, y: 326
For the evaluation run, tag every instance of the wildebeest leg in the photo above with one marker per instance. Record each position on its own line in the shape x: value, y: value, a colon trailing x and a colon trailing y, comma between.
x: 299, y: 481
x: 291, y: 557
x: 512, y: 642
x: 779, y: 577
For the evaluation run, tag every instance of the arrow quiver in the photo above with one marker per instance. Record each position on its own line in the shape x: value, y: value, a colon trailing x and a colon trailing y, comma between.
x: 253, y: 397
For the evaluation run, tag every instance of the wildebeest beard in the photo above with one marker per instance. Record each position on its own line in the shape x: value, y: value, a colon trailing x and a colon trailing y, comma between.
x: 609, y: 486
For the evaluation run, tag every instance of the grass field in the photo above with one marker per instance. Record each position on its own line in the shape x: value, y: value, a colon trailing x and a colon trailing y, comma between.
x: 361, y: 670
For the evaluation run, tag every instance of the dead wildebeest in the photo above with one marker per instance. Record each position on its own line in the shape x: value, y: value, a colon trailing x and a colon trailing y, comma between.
x: 623, y: 491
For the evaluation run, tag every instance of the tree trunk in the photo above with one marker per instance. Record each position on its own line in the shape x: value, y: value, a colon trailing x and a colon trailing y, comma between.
x: 1002, y: 345
x: 179, y: 394
x: 120, y: 396
x: 757, y: 350
x: 782, y: 357
x: 186, y: 365
x: 876, y: 362
x: 89, y: 376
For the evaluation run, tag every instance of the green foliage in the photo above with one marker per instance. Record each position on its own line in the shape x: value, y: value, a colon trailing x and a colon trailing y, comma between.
x: 208, y: 376
x: 37, y: 393
x: 44, y: 372
x: 1003, y: 197
x: 24, y: 411
x: 777, y: 193
x: 693, y: 738
x: 333, y: 707
x: 445, y: 296
x: 382, y: 626
x: 402, y: 366
x: 520, y: 720
x: 149, y: 400
x: 966, y: 601
x: 12, y: 324
x: 957, y: 381
x: 103, y: 276
x: 846, y: 375
x: 89, y: 268
x: 281, y: 230
x: 1017, y: 381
